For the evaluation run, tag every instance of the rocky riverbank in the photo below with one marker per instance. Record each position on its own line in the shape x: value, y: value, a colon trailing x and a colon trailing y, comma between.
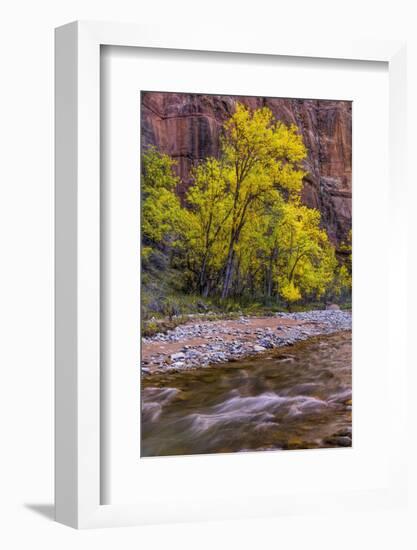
x: 199, y: 344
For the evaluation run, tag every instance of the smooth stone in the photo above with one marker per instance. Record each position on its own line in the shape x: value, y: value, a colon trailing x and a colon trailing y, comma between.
x: 258, y: 348
x: 340, y: 441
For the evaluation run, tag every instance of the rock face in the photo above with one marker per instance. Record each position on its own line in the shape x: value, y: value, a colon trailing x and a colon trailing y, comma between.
x: 188, y: 128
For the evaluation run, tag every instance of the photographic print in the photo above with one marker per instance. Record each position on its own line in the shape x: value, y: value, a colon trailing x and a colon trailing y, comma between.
x: 246, y: 273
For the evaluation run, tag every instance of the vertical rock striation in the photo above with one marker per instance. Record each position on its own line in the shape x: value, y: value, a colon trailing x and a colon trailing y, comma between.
x: 188, y: 128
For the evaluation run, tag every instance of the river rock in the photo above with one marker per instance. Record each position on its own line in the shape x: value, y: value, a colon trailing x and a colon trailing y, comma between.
x: 177, y: 356
x: 258, y: 348
x: 225, y: 341
x: 347, y: 432
x: 339, y: 441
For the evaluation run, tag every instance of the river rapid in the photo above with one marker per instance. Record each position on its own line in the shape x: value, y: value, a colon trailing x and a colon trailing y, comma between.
x: 295, y: 397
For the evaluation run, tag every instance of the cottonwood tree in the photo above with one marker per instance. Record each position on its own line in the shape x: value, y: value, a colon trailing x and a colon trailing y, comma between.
x: 210, y: 208
x: 261, y: 154
x: 243, y: 230
x: 307, y: 260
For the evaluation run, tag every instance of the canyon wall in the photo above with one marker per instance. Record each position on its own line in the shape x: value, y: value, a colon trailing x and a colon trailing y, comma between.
x: 188, y: 126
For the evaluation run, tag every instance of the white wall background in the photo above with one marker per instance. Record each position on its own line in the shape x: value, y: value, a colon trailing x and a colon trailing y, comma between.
x: 26, y: 273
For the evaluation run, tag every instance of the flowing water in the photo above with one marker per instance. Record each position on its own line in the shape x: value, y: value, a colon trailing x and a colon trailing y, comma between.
x: 297, y: 397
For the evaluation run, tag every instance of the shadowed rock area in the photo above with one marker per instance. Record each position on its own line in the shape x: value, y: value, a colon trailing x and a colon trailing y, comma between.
x: 188, y: 128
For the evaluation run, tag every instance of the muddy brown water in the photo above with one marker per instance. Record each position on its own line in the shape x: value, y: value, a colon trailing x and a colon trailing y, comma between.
x: 297, y: 397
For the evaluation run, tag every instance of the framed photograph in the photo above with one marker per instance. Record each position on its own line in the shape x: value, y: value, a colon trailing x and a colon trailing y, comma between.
x: 222, y: 208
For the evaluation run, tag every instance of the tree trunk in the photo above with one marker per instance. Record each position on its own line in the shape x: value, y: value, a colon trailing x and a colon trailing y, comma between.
x: 269, y: 279
x: 270, y: 271
x: 228, y: 273
x: 202, y: 278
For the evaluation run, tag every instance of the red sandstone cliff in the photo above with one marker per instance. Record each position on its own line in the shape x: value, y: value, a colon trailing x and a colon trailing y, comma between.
x: 188, y: 126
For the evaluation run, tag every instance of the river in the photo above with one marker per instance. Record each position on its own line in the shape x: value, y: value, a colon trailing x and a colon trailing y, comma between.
x: 297, y: 397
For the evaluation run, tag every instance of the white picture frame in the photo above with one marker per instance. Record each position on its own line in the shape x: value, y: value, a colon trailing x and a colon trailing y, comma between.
x: 78, y: 426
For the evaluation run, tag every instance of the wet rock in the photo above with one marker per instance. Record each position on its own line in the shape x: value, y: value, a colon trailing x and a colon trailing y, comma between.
x: 339, y: 441
x: 347, y: 432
